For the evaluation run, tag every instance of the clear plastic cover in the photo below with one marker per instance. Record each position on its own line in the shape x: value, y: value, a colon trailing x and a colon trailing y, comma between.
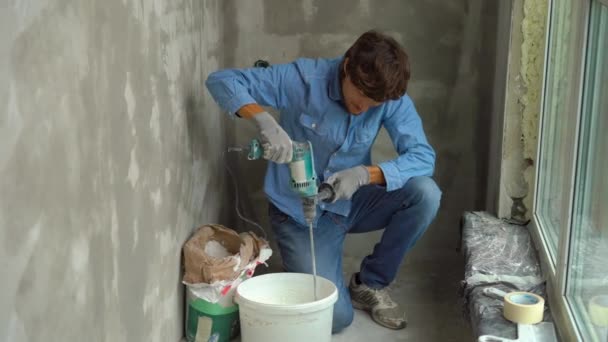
x: 501, y: 255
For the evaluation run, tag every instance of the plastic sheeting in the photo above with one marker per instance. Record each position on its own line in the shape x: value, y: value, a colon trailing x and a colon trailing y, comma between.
x: 501, y: 255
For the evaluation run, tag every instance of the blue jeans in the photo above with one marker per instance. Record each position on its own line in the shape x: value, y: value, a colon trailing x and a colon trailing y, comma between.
x: 404, y: 214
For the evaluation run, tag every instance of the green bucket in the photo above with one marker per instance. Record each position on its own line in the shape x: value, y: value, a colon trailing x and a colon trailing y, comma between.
x: 204, y: 320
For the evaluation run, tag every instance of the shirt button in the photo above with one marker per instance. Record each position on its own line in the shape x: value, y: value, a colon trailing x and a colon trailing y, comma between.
x: 314, y: 125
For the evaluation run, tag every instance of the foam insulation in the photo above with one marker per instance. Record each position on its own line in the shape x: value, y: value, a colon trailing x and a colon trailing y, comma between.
x: 532, y: 58
x: 532, y: 63
x: 522, y: 111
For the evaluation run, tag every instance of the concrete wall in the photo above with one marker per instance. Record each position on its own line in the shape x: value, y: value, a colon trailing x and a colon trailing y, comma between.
x: 451, y: 45
x: 110, y: 148
x: 109, y: 157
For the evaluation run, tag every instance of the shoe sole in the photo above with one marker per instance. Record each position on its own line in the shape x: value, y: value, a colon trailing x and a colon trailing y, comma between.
x: 366, y: 308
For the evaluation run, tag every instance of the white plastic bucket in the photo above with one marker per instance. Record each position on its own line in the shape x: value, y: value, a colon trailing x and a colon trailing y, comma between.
x: 281, y: 307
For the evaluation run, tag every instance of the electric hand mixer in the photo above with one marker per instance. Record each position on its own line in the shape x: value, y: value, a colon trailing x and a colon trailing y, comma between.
x: 303, y: 178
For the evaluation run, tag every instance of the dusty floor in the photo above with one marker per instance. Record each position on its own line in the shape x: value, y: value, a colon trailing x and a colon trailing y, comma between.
x: 427, y: 286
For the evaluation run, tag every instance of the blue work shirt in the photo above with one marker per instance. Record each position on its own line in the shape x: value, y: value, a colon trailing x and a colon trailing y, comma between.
x: 308, y: 94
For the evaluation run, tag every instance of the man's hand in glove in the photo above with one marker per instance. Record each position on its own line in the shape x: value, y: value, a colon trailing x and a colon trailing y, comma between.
x: 347, y: 182
x: 276, y: 143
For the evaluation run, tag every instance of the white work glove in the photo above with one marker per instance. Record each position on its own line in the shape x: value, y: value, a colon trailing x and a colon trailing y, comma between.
x: 276, y: 143
x: 347, y: 182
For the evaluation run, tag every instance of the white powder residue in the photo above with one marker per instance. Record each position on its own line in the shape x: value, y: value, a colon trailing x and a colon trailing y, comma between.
x: 216, y: 249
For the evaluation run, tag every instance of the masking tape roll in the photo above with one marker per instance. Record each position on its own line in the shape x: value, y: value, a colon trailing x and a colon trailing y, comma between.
x: 598, y: 310
x: 524, y: 307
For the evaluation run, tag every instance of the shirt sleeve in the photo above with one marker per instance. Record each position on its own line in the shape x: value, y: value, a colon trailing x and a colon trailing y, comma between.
x: 234, y: 88
x: 416, y: 156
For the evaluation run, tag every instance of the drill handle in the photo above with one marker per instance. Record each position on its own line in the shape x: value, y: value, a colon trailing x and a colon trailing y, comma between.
x: 326, y: 193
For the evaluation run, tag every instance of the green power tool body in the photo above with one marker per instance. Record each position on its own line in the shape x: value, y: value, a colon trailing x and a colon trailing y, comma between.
x: 303, y: 178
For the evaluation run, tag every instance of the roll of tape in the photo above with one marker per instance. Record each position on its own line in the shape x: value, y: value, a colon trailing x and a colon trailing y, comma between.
x: 524, y: 307
x: 598, y: 310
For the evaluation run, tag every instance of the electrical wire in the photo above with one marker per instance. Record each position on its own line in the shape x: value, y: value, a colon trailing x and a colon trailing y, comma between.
x: 236, y: 191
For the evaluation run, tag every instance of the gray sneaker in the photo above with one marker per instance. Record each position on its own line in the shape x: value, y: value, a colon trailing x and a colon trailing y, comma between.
x: 378, y: 303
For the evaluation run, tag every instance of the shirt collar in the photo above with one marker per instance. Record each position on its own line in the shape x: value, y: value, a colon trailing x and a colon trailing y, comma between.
x: 335, y: 88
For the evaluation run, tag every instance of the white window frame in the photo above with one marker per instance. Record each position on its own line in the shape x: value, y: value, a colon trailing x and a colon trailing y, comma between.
x: 557, y: 274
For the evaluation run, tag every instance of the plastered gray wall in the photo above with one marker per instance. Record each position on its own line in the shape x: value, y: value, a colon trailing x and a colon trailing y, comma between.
x: 452, y: 51
x: 110, y: 147
x: 109, y: 157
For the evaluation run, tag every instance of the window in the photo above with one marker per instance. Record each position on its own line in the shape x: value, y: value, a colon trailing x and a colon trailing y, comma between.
x: 571, y: 202
x: 587, y: 284
x: 557, y: 138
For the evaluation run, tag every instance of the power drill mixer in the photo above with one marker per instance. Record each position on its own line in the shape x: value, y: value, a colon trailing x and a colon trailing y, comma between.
x: 303, y: 178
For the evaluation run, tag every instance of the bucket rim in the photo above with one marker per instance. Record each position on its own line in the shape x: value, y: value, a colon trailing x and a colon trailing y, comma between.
x: 317, y: 305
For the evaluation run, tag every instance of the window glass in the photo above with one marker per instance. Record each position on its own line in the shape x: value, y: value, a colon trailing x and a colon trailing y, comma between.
x: 587, y: 282
x: 556, y: 157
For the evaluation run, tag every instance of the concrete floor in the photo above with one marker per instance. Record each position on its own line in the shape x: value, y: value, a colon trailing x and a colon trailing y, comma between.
x: 427, y: 286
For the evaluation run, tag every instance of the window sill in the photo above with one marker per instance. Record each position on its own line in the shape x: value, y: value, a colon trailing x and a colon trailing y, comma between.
x: 501, y: 255
x: 562, y: 314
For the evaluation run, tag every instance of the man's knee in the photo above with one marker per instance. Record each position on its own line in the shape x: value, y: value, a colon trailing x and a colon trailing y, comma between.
x: 343, y: 317
x: 423, y: 191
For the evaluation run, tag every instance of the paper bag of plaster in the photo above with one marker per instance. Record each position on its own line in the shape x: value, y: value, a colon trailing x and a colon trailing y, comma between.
x: 217, y: 259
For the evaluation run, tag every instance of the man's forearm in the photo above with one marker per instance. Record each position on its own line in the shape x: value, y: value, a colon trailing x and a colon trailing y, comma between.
x: 249, y: 110
x: 376, y: 176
